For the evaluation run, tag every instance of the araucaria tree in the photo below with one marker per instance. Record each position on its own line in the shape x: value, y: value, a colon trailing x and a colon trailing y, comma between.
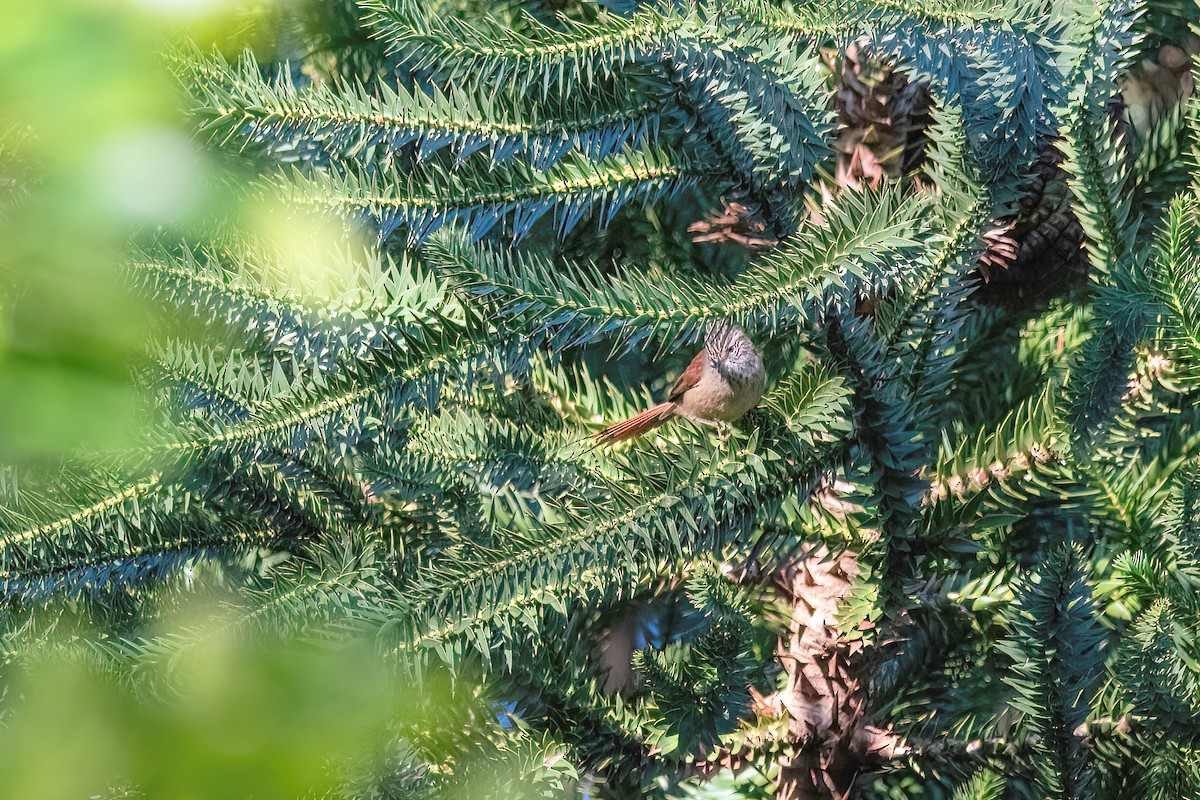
x: 954, y: 551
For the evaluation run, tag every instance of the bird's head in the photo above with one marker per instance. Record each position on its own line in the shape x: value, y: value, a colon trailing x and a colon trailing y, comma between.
x: 730, y: 350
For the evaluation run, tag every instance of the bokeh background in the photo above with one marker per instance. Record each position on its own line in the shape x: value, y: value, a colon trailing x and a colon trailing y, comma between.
x: 96, y: 153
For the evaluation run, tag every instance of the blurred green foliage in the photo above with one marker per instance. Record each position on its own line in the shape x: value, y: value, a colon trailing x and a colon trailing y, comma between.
x: 95, y: 152
x: 92, y: 130
x: 231, y: 721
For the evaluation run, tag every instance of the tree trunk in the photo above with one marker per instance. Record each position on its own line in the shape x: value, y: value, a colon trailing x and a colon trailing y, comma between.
x: 824, y: 701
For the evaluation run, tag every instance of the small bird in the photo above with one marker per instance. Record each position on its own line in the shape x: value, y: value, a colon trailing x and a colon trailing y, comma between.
x: 724, y: 381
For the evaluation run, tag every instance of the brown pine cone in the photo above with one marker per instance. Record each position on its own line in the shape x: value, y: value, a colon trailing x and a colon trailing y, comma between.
x: 1040, y: 254
x: 882, y: 118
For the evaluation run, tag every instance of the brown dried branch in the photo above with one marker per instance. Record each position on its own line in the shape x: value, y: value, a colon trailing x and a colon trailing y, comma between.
x: 735, y: 223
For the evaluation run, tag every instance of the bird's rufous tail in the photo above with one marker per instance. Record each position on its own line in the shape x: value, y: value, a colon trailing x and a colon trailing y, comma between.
x: 638, y: 424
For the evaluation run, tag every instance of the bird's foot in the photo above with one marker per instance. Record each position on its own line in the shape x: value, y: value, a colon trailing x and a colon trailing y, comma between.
x: 722, y: 431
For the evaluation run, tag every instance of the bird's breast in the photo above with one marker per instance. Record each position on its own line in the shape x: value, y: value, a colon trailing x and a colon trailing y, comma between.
x: 717, y: 397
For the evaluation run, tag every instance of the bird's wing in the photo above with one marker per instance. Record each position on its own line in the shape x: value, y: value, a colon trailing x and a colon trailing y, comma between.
x: 689, y: 377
